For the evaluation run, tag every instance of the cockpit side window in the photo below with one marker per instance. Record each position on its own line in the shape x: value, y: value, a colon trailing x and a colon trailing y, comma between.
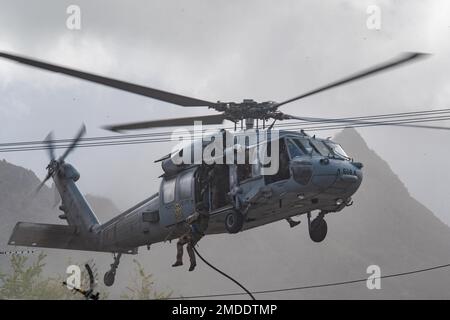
x: 294, y: 150
x: 304, y: 145
x: 169, y: 190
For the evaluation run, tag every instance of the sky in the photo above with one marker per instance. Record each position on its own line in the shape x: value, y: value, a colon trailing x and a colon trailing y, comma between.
x: 229, y: 51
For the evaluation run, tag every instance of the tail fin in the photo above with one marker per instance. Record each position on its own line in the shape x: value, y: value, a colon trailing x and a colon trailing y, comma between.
x: 77, y: 210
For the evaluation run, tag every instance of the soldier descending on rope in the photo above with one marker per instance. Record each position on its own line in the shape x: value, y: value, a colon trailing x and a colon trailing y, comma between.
x: 198, y: 223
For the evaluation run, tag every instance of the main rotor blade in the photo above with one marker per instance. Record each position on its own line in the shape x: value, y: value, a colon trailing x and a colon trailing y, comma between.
x: 80, y: 133
x: 51, y: 148
x: 206, y: 120
x: 397, y: 123
x: 110, y: 82
x: 402, y: 59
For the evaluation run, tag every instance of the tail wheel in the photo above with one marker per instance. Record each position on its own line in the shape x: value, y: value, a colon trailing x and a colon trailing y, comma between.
x: 234, y: 222
x: 109, y: 278
x: 318, y: 229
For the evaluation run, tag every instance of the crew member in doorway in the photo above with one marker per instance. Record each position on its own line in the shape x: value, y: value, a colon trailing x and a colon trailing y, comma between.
x: 198, y: 223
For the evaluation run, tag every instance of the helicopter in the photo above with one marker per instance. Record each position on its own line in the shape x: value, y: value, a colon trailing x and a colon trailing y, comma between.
x: 292, y: 174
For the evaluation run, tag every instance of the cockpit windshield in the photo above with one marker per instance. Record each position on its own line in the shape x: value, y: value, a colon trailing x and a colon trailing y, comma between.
x: 337, y: 150
x: 320, y: 147
x: 314, y: 146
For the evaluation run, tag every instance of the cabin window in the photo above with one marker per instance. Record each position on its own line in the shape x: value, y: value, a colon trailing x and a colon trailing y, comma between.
x: 185, y: 183
x: 150, y: 216
x: 169, y: 190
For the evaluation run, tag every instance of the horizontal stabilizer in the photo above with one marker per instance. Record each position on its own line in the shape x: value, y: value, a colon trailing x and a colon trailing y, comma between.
x: 57, y: 236
x: 47, y: 236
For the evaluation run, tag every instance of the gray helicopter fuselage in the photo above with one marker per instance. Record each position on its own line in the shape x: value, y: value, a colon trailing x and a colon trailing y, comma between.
x: 315, y: 175
x: 314, y: 182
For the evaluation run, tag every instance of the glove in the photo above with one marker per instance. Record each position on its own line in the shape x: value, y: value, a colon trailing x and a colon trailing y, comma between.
x: 192, y: 218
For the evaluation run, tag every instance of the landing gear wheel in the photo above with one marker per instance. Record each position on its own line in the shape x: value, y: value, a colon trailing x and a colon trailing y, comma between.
x: 110, y: 275
x: 318, y: 229
x: 109, y: 278
x: 234, y: 222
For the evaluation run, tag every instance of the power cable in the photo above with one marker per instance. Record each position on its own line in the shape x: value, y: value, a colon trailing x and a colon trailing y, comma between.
x: 331, y: 284
x: 410, y: 116
x: 24, y: 147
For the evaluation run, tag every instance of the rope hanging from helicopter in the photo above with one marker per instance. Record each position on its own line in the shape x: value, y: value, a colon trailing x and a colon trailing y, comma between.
x: 224, y: 274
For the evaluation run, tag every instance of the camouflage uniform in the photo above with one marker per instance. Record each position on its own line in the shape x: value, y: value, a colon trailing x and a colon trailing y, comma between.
x: 198, y: 223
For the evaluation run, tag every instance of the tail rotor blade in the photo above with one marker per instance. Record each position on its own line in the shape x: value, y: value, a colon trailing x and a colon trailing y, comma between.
x: 80, y: 134
x: 51, y: 148
x: 48, y: 176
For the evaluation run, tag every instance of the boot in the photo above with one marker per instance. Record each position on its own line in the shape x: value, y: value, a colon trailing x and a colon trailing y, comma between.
x: 293, y: 223
x: 178, y: 263
x: 192, y: 267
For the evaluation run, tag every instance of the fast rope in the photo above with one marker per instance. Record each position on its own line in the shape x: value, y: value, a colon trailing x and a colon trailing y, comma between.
x: 224, y: 274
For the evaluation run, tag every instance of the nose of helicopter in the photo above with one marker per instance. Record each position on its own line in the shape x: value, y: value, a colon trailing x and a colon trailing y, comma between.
x: 338, y: 177
x: 349, y: 178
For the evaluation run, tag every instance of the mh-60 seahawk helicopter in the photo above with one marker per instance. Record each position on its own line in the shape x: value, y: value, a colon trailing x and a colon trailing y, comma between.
x: 313, y: 174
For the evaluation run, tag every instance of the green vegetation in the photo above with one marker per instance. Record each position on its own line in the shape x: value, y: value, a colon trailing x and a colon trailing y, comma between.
x: 25, y: 280
x: 142, y: 286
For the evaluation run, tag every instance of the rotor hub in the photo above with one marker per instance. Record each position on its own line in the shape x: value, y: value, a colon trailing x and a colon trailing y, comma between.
x: 248, y: 109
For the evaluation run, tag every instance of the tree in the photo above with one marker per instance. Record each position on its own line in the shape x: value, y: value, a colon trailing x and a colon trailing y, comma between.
x: 142, y: 286
x: 25, y: 281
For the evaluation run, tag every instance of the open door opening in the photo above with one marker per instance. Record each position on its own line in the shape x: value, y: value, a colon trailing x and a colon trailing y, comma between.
x: 212, y: 185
